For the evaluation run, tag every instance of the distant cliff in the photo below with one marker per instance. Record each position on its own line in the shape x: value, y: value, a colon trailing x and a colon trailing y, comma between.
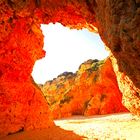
x: 92, y: 90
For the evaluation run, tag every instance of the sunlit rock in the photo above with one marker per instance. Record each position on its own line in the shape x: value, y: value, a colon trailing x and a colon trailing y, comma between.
x: 92, y: 90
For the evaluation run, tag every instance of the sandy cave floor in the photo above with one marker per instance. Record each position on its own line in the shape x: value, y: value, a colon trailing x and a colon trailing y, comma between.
x: 123, y: 126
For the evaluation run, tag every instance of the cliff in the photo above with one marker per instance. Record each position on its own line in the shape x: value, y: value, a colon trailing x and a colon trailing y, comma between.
x: 92, y: 90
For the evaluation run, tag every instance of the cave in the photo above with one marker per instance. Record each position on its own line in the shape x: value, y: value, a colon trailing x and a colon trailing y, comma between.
x: 21, y: 41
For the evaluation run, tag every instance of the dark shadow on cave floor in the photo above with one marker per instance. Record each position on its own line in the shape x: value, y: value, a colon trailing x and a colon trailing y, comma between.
x: 53, y: 133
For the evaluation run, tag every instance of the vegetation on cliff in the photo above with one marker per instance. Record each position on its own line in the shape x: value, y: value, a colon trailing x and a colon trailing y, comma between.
x: 92, y: 90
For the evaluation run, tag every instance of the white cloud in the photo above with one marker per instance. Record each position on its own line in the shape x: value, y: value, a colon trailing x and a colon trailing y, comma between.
x: 65, y: 50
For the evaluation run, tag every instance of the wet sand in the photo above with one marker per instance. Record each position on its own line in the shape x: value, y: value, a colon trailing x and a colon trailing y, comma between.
x: 123, y: 126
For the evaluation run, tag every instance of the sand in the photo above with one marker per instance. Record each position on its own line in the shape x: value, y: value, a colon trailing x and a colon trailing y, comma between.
x: 123, y: 126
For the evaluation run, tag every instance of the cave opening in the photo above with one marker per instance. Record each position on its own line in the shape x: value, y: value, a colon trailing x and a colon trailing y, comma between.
x: 21, y: 101
x: 66, y: 49
x: 81, y: 81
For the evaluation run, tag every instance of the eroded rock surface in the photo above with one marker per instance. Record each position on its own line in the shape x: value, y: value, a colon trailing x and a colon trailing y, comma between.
x: 22, y: 105
x: 21, y: 43
x: 118, y: 23
x: 92, y: 90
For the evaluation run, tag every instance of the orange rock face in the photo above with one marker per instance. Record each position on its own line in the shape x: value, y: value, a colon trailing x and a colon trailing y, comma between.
x: 21, y: 43
x: 92, y: 90
x: 119, y: 26
x: 105, y: 92
x: 22, y: 105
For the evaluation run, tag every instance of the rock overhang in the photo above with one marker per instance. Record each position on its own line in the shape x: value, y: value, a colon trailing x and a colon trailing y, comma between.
x: 21, y: 42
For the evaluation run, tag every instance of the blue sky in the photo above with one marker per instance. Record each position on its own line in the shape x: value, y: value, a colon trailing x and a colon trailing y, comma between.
x: 65, y: 50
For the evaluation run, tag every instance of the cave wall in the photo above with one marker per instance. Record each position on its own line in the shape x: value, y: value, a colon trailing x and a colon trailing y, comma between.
x: 21, y: 43
x: 22, y: 105
x: 119, y: 27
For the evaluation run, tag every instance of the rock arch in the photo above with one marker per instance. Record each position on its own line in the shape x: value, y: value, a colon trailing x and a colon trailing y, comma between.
x: 21, y: 43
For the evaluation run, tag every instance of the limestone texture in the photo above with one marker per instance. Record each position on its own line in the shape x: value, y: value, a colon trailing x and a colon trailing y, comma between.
x: 21, y: 43
x: 92, y: 90
x: 118, y: 24
x: 22, y: 105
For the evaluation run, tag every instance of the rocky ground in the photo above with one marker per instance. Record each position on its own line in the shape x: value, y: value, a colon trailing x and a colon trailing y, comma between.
x: 123, y: 126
